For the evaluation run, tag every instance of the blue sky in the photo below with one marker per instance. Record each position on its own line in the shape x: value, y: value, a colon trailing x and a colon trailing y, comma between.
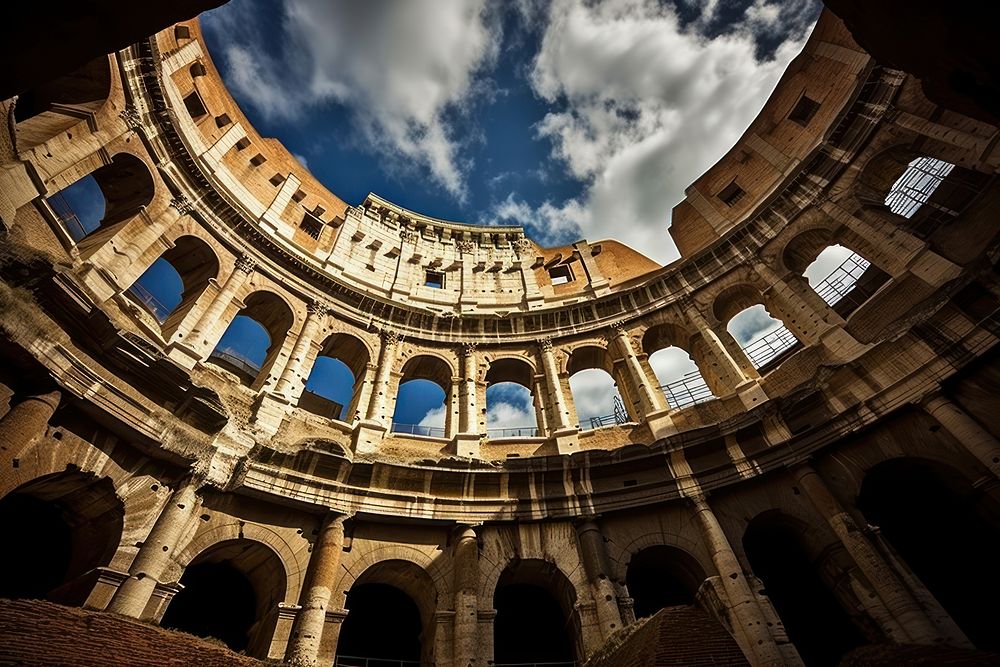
x: 575, y: 119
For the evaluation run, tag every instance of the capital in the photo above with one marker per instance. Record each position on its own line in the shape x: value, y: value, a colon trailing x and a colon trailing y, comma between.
x: 246, y: 263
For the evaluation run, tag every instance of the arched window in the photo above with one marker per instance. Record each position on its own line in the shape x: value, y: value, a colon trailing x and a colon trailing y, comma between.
x: 511, y: 408
x: 253, y: 339
x: 334, y: 384
x: 763, y: 338
x: 55, y: 106
x: 422, y: 398
x: 231, y: 592
x: 816, y: 623
x: 662, y: 576
x: 596, y: 398
x: 536, y: 619
x: 93, y: 208
x: 917, y: 184
x: 170, y: 287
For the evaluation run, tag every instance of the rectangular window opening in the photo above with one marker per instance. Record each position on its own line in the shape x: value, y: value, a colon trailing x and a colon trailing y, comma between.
x: 195, y: 106
x: 561, y: 274
x: 434, y: 279
x: 311, y: 225
x: 731, y: 194
x: 804, y: 111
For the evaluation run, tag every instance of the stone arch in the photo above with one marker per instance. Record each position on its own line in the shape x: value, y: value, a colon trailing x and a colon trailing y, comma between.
x: 694, y: 386
x: 766, y: 342
x: 352, y: 352
x: 273, y: 313
x: 513, y: 370
x: 65, y: 525
x: 243, y: 573
x: 52, y: 107
x: 598, y: 356
x: 659, y: 576
x: 620, y: 557
x: 433, y: 367
x: 878, y: 174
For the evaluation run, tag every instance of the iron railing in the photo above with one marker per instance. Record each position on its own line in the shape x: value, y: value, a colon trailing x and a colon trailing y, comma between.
x: 358, y: 661
x: 843, y: 279
x: 418, y: 429
x: 152, y: 304
x: 688, y: 390
x: 67, y: 216
x: 916, y: 185
x: 236, y: 362
x: 771, y: 346
x: 617, y: 418
x: 513, y: 432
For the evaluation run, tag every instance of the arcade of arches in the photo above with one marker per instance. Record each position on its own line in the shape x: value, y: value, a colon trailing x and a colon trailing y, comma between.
x: 208, y: 362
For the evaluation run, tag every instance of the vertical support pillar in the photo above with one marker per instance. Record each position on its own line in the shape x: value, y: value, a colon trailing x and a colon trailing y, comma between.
x: 205, y: 333
x: 287, y: 386
x: 965, y: 430
x: 154, y: 555
x: 915, y: 623
x: 368, y: 434
x: 749, y: 623
x: 467, y: 438
x: 307, y: 633
x: 487, y: 617
x: 595, y: 563
x: 651, y: 400
x: 566, y: 434
x: 726, y: 369
x: 465, y: 555
x: 26, y: 422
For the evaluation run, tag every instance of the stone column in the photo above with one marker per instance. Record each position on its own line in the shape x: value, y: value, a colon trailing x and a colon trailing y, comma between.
x: 907, y: 611
x: 383, y: 378
x: 650, y: 398
x: 286, y: 386
x: 749, y: 621
x: 726, y: 369
x: 565, y: 434
x: 154, y: 555
x: 487, y: 617
x: 465, y: 556
x: 626, y: 609
x: 303, y: 646
x: 205, y: 333
x: 595, y: 563
x: 800, y: 317
x: 965, y: 430
x: 26, y: 422
x: 468, y: 410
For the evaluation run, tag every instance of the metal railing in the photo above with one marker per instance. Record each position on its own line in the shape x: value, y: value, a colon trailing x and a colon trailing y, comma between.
x: 771, y: 346
x: 688, y: 390
x: 916, y: 185
x: 152, y: 304
x: 236, y: 362
x: 843, y: 279
x: 67, y: 216
x: 617, y: 418
x: 358, y: 661
x: 513, y: 432
x: 418, y: 429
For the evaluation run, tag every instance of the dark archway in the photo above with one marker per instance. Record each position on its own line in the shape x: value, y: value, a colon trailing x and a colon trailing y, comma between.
x: 662, y: 576
x: 816, y: 623
x: 382, y: 622
x: 536, y: 621
x: 934, y: 519
x: 64, y: 526
x: 231, y: 592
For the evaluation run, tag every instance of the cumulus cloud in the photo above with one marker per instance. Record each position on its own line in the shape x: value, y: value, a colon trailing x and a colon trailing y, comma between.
x: 400, y: 67
x: 434, y: 418
x: 645, y: 106
x: 594, y: 394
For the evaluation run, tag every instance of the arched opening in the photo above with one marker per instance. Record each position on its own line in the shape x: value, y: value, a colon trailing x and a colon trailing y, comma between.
x: 422, y: 398
x: 334, y: 383
x: 55, y: 106
x: 253, y: 339
x: 595, y: 391
x: 231, y: 592
x: 680, y: 378
x: 511, y: 408
x: 95, y: 207
x: 764, y: 339
x: 816, y: 623
x: 536, y: 621
x: 61, y: 527
x: 662, y: 576
x: 917, y: 185
x: 170, y: 287
x: 390, y: 616
x: 934, y: 519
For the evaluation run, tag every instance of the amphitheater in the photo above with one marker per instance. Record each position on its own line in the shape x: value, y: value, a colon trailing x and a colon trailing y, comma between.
x: 832, y: 487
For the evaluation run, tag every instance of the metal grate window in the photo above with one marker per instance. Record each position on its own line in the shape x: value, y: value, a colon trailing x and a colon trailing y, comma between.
x: 916, y: 185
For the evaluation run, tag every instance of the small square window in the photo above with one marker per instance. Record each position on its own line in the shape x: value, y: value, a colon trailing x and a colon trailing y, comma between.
x: 561, y: 274
x: 804, y: 111
x: 194, y: 105
x: 311, y: 225
x: 182, y: 32
x: 242, y: 144
x: 198, y: 69
x: 434, y: 279
x: 223, y: 120
x: 731, y: 194
x: 258, y: 160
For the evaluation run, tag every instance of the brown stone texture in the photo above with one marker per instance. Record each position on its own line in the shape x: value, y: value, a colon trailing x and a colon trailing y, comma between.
x: 35, y: 632
x: 890, y: 655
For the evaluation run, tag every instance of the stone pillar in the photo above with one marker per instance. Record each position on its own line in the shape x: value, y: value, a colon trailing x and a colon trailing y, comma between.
x: 965, y: 430
x: 304, y: 644
x: 154, y: 555
x: 905, y: 609
x: 465, y: 557
x: 726, y: 368
x: 749, y: 622
x: 626, y: 608
x: 595, y: 564
x: 564, y: 433
x: 205, y: 333
x: 938, y: 132
x: 487, y: 617
x: 286, y: 386
x: 650, y: 398
x: 26, y: 422
x: 469, y: 427
x: 369, y: 433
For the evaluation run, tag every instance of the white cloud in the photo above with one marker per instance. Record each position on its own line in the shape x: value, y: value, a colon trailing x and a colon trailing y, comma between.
x: 671, y: 364
x: 752, y: 324
x: 826, y: 263
x: 400, y: 67
x: 434, y: 418
x: 649, y: 106
x: 594, y: 394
